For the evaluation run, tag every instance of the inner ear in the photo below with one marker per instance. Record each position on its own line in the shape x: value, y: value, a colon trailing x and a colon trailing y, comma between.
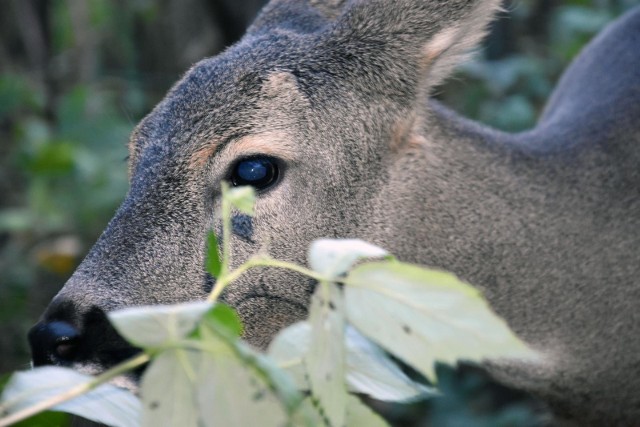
x: 452, y: 44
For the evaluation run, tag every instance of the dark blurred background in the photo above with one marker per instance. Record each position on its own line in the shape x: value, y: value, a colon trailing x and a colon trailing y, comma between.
x: 76, y: 75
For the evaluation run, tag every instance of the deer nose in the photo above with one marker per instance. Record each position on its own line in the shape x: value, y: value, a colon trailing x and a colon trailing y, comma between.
x: 53, y: 343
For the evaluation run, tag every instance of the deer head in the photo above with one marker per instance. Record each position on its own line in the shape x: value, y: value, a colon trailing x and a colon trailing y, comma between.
x: 324, y: 108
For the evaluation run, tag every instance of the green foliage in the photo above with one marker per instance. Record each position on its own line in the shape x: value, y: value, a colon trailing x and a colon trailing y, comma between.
x: 16, y: 95
x: 358, y: 415
x: 325, y: 361
x: 158, y: 326
x: 46, y: 419
x: 414, y: 316
x: 368, y: 369
x: 99, y: 402
x: 225, y: 320
x: 64, y: 126
x: 466, y: 400
x: 200, y: 372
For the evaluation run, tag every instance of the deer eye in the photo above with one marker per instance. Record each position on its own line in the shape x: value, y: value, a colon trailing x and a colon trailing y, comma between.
x: 259, y: 172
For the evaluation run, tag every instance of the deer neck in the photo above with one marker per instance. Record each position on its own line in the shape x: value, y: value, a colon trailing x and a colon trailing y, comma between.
x: 451, y: 199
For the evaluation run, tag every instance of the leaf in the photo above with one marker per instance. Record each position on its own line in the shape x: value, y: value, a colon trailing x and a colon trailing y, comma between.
x: 423, y: 316
x: 243, y: 198
x: 157, y: 326
x: 223, y: 384
x: 231, y: 394
x: 368, y: 368
x: 53, y: 158
x: 371, y: 371
x: 309, y: 415
x: 359, y: 415
x: 334, y: 257
x: 105, y: 404
x: 213, y: 263
x: 4, y: 381
x: 325, y: 360
x: 225, y: 320
x: 288, y: 349
x: 168, y: 389
x: 279, y: 381
x: 16, y: 220
x: 47, y: 419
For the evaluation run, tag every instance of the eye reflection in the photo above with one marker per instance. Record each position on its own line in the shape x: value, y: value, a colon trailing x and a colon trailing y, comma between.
x: 259, y: 172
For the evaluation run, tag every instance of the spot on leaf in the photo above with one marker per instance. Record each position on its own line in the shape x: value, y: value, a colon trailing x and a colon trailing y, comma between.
x: 258, y: 396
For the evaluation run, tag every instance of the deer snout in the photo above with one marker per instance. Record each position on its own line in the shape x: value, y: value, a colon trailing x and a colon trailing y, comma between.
x: 78, y: 337
x: 53, y: 343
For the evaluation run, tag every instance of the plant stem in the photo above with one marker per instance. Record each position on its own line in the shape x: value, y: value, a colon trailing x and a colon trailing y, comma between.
x: 76, y: 391
x: 228, y: 278
x: 225, y: 280
x: 226, y: 230
x: 262, y: 262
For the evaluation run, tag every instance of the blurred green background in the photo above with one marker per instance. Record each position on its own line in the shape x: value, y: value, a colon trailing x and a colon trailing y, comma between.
x: 76, y: 75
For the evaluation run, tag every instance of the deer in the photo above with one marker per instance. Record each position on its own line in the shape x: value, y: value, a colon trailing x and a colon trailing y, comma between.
x: 325, y: 108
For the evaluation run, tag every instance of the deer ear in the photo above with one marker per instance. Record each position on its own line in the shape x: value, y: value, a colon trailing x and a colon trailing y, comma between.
x: 418, y: 42
x: 454, y: 41
x: 391, y: 47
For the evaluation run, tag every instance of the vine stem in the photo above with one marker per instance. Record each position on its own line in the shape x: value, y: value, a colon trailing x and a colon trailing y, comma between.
x: 225, y: 280
x: 268, y: 262
x: 76, y: 391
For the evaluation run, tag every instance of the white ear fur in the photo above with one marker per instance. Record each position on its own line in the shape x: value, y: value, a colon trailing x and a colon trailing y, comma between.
x: 451, y: 45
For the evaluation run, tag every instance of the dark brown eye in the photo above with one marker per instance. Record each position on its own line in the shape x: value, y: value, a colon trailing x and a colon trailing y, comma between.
x: 258, y: 172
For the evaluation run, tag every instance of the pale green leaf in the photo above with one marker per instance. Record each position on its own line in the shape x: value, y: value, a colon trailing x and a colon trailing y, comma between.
x: 423, y: 316
x: 231, y: 354
x: 159, y: 325
x: 279, y: 380
x: 334, y: 257
x: 325, y: 360
x: 368, y: 369
x: 372, y: 372
x: 359, y: 415
x: 216, y: 337
x: 288, y: 349
x: 168, y: 389
x: 232, y: 394
x: 222, y: 384
x: 105, y: 404
x: 309, y: 414
x: 242, y: 198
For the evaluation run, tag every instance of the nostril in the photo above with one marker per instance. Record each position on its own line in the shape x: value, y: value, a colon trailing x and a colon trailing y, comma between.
x: 53, y: 343
x: 65, y: 350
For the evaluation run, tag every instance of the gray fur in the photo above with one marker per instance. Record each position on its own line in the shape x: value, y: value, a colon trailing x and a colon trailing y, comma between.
x: 546, y: 222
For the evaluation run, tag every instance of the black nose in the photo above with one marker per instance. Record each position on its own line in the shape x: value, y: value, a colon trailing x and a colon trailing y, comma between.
x: 53, y: 343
